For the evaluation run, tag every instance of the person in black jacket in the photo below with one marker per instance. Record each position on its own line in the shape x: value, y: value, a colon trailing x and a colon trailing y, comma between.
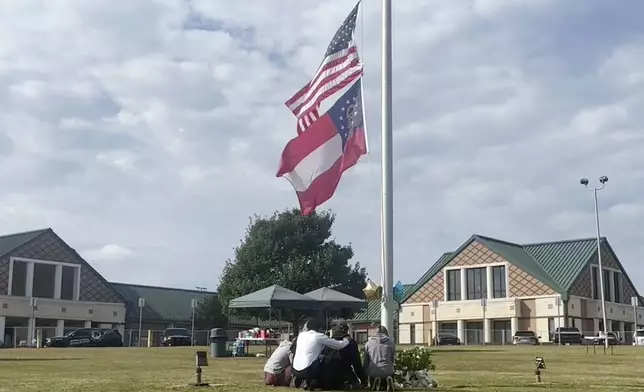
x: 343, y: 367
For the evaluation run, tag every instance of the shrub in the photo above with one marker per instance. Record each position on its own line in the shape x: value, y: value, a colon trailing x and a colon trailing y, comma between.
x: 414, y: 359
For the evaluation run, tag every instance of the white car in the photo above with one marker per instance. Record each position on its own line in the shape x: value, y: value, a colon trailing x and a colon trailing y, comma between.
x: 638, y: 338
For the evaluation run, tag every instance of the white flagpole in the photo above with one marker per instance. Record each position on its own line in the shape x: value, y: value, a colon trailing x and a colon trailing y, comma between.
x: 387, y: 255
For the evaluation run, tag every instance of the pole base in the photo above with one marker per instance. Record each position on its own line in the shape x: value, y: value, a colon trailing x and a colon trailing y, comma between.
x: 199, y: 384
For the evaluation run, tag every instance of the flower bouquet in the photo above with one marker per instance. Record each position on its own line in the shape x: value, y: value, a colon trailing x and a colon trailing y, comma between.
x: 412, y: 368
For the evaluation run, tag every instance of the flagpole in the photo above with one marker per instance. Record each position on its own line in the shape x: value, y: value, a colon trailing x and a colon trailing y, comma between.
x: 387, y: 232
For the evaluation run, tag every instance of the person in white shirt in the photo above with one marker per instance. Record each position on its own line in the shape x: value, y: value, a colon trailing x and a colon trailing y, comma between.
x: 277, y: 371
x: 309, y: 344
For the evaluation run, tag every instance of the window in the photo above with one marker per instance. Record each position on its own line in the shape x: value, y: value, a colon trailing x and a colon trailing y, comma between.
x: 67, y: 283
x: 19, y: 279
x: 412, y: 333
x: 81, y: 333
x: 476, y: 283
x: 595, y: 278
x: 498, y: 282
x: 454, y: 285
x: 607, y: 285
x: 617, y: 287
x: 44, y: 280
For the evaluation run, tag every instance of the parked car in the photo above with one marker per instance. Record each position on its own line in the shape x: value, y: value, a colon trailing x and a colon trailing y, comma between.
x: 613, y: 338
x: 446, y: 339
x: 638, y: 338
x: 176, y: 337
x: 525, y: 337
x: 87, y: 337
x: 569, y: 335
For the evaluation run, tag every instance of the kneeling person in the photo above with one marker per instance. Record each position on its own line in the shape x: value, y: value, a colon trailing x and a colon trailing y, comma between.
x: 277, y: 371
x: 379, y: 355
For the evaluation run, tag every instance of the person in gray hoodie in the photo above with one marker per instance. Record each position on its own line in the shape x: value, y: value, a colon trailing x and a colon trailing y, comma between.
x: 379, y: 353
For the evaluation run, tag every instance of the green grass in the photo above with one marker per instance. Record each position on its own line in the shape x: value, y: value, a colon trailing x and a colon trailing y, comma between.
x: 171, y: 369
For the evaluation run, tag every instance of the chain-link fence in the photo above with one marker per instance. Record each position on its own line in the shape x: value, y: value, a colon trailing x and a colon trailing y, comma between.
x: 477, y: 336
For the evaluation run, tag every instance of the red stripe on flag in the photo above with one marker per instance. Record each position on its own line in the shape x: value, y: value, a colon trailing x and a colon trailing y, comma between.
x: 302, y: 145
x: 320, y: 72
x: 324, y: 186
x: 329, y: 79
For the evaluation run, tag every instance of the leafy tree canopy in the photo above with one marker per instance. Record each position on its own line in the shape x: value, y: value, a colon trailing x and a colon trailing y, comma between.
x: 210, y: 314
x: 295, y: 252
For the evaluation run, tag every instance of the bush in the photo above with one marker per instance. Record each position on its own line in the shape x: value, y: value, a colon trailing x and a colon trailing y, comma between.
x: 414, y: 359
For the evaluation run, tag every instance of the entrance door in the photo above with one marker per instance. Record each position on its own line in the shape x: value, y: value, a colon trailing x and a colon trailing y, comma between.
x: 474, y: 333
x: 502, y: 331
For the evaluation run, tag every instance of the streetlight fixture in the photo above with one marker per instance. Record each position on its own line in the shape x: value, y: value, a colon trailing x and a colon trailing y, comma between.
x: 602, y: 180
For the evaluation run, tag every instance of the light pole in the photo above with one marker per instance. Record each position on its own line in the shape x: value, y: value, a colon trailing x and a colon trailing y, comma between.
x: 602, y: 180
x: 31, y: 332
x: 193, y: 305
x: 141, y: 306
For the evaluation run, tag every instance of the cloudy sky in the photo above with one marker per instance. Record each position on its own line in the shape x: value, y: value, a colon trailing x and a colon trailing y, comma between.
x: 146, y: 132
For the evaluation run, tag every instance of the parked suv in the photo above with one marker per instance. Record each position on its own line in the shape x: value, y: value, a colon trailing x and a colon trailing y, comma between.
x: 569, y: 335
x: 176, y: 337
x: 525, y: 337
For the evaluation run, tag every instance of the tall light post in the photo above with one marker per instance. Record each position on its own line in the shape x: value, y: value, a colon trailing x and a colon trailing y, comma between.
x: 141, y: 306
x: 602, y: 180
x: 193, y: 305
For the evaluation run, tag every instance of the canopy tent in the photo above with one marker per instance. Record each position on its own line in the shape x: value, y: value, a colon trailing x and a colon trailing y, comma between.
x: 333, y: 299
x: 275, y: 297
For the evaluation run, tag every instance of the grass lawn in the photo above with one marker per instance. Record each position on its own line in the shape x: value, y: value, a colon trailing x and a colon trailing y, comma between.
x: 171, y: 369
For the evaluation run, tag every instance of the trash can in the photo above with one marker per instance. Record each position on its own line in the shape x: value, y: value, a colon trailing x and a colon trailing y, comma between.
x: 218, y: 339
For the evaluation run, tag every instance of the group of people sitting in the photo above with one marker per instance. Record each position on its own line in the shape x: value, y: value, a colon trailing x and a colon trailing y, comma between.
x: 314, y: 360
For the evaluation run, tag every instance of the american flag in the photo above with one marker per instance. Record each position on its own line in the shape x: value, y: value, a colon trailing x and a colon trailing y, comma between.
x: 341, y: 65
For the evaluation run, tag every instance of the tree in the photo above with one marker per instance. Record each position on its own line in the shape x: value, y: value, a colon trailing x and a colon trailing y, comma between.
x: 210, y: 314
x: 295, y: 252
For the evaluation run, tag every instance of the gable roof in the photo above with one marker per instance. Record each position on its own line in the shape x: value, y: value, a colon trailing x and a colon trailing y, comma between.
x: 516, y: 254
x: 433, y: 270
x: 161, y: 303
x: 10, y: 242
x: 556, y: 264
x: 564, y: 260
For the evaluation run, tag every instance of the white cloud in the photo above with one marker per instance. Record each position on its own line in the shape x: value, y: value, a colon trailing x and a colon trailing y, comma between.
x: 157, y: 125
x: 109, y: 252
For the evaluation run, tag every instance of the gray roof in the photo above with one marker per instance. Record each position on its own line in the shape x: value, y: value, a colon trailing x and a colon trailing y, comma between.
x: 10, y: 242
x: 162, y: 304
x: 275, y: 297
x: 333, y: 299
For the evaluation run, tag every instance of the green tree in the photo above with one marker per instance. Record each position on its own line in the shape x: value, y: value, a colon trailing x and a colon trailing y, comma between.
x: 210, y: 314
x: 295, y: 252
